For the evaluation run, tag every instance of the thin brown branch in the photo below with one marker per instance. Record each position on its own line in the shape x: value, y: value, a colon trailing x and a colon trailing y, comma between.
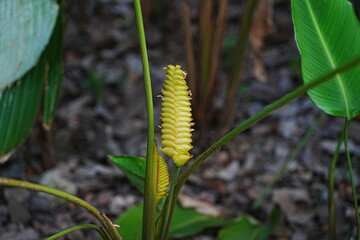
x: 205, y: 47
x: 216, y: 53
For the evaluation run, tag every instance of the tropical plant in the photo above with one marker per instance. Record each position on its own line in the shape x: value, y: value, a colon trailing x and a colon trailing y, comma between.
x: 330, y: 74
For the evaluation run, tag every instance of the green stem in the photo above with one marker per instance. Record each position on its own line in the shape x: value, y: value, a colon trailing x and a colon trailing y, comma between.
x: 150, y: 175
x: 169, y: 208
x: 331, y: 187
x: 72, y: 229
x: 257, y: 117
x: 108, y: 226
x: 309, y: 133
x: 352, y: 181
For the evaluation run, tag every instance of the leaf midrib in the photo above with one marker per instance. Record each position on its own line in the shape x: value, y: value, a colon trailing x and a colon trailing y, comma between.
x: 333, y: 65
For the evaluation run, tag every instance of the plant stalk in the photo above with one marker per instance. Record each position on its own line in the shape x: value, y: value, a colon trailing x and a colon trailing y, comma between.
x: 108, y: 225
x: 331, y: 189
x: 351, y: 176
x: 169, y: 208
x: 150, y: 175
x: 79, y: 227
x: 257, y: 117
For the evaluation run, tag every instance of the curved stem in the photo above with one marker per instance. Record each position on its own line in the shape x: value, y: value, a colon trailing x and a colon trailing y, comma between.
x: 108, y: 225
x: 169, y: 208
x: 331, y: 189
x: 352, y: 181
x: 257, y: 117
x: 150, y: 175
x: 79, y: 227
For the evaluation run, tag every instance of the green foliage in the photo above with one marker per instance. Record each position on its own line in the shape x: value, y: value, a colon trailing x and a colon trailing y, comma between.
x: 133, y: 168
x: 19, y: 105
x: 186, y: 221
x: 20, y: 102
x: 26, y: 27
x: 130, y: 223
x: 246, y: 227
x: 327, y: 34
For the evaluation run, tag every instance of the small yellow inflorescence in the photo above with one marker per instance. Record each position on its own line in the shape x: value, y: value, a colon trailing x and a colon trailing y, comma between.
x: 176, y: 116
x: 163, y: 181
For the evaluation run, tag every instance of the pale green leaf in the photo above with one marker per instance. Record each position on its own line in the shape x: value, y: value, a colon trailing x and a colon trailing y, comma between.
x: 327, y: 34
x: 20, y: 102
x: 25, y: 29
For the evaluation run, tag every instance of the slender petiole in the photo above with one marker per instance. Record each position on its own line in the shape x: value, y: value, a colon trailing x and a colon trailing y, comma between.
x: 331, y: 189
x: 79, y: 227
x: 351, y: 176
x: 169, y: 208
x: 150, y: 175
x: 108, y: 225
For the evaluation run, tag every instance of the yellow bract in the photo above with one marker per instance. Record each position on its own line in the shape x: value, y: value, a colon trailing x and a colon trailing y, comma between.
x: 176, y: 116
x: 162, y: 179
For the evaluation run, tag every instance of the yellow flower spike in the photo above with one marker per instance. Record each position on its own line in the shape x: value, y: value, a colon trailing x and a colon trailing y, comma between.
x: 176, y: 116
x: 163, y: 181
x: 162, y: 176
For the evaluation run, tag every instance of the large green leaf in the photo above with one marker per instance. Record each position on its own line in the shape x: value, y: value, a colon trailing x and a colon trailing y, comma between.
x: 133, y: 168
x: 25, y: 29
x: 186, y: 221
x: 19, y: 103
x: 327, y: 35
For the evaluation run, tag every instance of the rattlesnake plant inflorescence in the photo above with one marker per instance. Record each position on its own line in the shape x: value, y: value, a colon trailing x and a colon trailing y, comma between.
x: 162, y: 179
x: 176, y: 116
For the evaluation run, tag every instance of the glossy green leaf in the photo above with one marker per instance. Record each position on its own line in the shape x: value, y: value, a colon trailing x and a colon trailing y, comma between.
x: 327, y: 35
x: 133, y: 168
x: 186, y: 221
x: 246, y: 227
x: 25, y: 27
x: 54, y: 70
